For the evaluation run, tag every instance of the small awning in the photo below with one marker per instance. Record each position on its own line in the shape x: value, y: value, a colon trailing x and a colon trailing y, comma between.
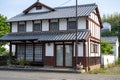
x: 47, y: 36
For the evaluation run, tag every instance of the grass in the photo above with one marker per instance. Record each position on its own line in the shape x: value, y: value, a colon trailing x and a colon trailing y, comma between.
x: 97, y: 71
x: 113, y: 69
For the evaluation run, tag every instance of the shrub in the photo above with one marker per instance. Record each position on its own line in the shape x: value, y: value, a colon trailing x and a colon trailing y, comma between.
x: 106, y: 48
x: 117, y: 62
x: 4, y: 52
x: 22, y: 62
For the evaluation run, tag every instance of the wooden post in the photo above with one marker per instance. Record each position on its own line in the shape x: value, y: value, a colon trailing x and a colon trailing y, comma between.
x: 33, y: 51
x: 25, y: 51
x: 10, y: 53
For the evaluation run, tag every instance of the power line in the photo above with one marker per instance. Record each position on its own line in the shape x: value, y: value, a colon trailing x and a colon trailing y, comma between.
x: 65, y: 2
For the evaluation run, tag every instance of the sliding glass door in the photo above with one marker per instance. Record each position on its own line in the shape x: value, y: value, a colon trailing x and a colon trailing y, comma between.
x: 68, y: 55
x: 59, y: 55
x: 64, y: 55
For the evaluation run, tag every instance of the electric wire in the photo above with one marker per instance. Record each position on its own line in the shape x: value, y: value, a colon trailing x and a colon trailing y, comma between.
x: 64, y: 3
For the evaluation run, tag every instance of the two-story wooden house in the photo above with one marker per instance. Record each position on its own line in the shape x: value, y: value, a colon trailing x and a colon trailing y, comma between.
x: 45, y: 36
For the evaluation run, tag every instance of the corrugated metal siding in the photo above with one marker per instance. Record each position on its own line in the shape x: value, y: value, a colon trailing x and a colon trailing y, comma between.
x: 47, y: 36
x: 63, y: 12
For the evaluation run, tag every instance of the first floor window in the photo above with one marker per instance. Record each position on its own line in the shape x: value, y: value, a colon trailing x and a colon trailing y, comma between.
x: 20, y: 52
x: 38, y: 52
x: 94, y: 48
x: 29, y: 52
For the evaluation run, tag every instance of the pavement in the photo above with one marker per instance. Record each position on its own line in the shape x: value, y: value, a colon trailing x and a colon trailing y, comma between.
x: 26, y: 75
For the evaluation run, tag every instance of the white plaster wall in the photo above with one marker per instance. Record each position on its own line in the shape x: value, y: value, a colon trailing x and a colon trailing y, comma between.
x: 92, y: 55
x: 82, y: 23
x: 107, y: 59
x: 13, y: 49
x: 21, y: 22
x: 63, y: 24
x: 45, y: 25
x: 99, y: 48
x: 14, y: 27
x: 49, y: 49
x: 54, y: 20
x: 37, y: 21
x: 72, y: 19
x: 95, y: 30
x: 29, y: 26
x: 86, y: 45
x: 80, y: 49
x: 88, y: 49
x: 41, y: 10
x: 115, y: 50
x: 94, y: 17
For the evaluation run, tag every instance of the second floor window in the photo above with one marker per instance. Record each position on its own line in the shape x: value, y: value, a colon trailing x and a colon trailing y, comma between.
x: 72, y: 25
x: 37, y: 27
x: 54, y: 26
x: 21, y: 28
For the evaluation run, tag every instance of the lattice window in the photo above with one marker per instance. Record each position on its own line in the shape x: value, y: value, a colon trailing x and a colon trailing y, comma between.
x: 20, y: 52
x: 29, y: 52
x: 38, y: 52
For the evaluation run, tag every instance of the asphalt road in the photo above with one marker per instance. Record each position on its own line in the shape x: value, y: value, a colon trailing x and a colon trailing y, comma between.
x: 21, y: 75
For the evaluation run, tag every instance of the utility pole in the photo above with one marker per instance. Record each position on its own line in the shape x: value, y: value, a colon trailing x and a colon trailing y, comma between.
x: 76, y: 42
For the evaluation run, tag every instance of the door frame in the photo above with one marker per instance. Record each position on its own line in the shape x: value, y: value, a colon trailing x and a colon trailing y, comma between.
x: 72, y: 44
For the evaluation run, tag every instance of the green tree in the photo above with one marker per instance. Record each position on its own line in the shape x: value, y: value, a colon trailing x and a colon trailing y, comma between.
x: 4, y: 29
x: 114, y: 20
x: 106, y: 48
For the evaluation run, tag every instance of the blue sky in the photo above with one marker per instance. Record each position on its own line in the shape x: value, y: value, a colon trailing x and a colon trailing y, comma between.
x: 11, y: 8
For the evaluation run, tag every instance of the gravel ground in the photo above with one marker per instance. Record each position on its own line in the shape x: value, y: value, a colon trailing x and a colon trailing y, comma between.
x: 21, y: 75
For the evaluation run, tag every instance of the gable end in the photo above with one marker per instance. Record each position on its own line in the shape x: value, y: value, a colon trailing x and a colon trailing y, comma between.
x: 38, y: 6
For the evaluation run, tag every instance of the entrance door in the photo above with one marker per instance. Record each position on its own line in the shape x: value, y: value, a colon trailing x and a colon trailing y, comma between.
x: 59, y: 55
x: 64, y: 55
x: 68, y: 55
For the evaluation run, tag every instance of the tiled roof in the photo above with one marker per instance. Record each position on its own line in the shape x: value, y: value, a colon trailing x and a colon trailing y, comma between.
x: 46, y: 36
x: 60, y: 12
x: 111, y: 39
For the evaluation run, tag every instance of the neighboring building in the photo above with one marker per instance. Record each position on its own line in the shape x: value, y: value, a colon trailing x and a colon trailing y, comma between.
x: 46, y: 36
x: 115, y: 42
x: 106, y: 27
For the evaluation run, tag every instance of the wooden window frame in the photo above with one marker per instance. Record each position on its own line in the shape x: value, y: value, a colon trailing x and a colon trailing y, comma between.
x: 38, y: 7
x: 95, y: 48
x: 40, y: 27
x: 69, y: 25
x: 57, y: 26
x: 24, y: 27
